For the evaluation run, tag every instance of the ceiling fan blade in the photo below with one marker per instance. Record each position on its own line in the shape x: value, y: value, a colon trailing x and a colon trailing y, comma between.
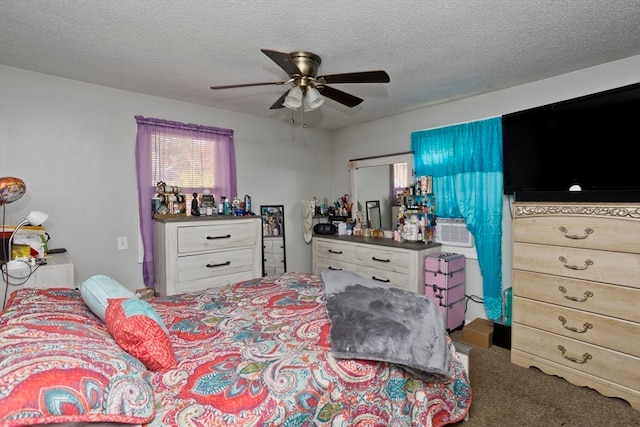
x: 283, y: 60
x: 247, y: 85
x: 378, y: 76
x: 280, y: 102
x: 340, y: 96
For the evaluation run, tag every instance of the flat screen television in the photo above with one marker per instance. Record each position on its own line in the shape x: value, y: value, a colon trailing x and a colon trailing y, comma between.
x: 592, y: 142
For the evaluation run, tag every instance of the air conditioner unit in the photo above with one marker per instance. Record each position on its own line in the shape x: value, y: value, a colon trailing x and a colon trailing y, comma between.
x: 453, y: 232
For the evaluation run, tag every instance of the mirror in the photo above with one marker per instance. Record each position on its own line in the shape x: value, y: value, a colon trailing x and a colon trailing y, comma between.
x: 274, y: 254
x: 379, y: 179
x: 374, y: 220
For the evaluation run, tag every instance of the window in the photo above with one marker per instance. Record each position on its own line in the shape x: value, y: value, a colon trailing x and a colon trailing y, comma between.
x: 184, y: 162
x: 192, y: 157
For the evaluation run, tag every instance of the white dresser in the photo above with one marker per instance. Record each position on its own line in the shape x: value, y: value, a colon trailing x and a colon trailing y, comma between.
x: 399, y: 264
x: 576, y: 294
x: 195, y: 253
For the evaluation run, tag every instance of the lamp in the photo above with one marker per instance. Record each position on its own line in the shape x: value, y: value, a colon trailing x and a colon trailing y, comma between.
x: 293, y: 100
x: 34, y: 218
x: 312, y: 99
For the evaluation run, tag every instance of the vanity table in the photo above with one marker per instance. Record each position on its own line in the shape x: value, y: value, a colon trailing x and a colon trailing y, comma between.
x: 391, y: 263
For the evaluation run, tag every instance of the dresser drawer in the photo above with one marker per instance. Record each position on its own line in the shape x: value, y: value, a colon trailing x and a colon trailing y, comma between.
x: 274, y: 260
x: 585, y: 264
x: 383, y: 259
x: 579, y: 325
x: 588, y: 232
x: 210, y: 265
x: 231, y: 234
x: 385, y: 277
x: 323, y: 264
x: 609, y: 300
x: 612, y: 365
x: 213, y: 282
x: 336, y: 251
x: 274, y: 245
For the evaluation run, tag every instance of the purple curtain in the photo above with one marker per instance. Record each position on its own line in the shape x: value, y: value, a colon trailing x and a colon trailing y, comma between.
x: 225, y: 173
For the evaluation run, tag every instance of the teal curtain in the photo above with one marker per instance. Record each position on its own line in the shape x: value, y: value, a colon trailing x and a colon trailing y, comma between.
x: 465, y: 162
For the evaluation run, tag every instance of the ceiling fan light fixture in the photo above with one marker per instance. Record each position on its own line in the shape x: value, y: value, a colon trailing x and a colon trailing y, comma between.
x: 313, y: 99
x: 293, y: 100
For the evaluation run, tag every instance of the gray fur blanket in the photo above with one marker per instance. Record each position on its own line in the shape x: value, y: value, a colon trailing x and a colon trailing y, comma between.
x: 376, y: 322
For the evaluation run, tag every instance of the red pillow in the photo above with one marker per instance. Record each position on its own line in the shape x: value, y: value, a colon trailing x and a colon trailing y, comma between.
x: 137, y: 328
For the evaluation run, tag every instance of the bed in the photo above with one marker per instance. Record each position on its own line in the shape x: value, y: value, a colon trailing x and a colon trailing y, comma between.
x: 287, y: 350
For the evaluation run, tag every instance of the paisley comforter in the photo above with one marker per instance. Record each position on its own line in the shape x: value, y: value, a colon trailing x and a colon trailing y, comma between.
x: 257, y: 353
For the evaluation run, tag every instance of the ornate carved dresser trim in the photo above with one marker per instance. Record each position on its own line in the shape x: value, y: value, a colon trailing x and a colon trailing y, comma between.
x: 629, y: 212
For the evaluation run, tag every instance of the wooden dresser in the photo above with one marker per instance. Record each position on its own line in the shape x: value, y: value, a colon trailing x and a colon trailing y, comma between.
x: 399, y: 264
x: 195, y: 253
x: 576, y: 294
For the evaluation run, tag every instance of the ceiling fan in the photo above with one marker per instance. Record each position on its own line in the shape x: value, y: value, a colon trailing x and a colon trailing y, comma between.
x: 302, y: 68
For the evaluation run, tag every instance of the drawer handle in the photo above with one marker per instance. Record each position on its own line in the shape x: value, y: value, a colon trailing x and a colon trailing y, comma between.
x: 585, y: 356
x: 228, y: 236
x: 380, y: 280
x: 335, y: 269
x: 380, y: 259
x: 586, y: 326
x: 587, y: 295
x: 331, y: 251
x: 587, y: 231
x: 219, y: 265
x: 584, y: 266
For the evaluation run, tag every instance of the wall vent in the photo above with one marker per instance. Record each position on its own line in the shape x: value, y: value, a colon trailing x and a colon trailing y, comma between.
x: 453, y: 232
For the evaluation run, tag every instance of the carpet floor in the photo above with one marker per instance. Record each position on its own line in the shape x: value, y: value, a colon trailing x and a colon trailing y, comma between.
x: 506, y: 395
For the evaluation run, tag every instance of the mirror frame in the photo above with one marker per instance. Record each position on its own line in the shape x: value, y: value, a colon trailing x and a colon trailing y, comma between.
x: 390, y: 159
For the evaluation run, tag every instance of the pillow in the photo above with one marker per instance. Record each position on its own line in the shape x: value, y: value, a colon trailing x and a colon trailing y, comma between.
x: 375, y: 322
x: 96, y: 290
x: 136, y: 326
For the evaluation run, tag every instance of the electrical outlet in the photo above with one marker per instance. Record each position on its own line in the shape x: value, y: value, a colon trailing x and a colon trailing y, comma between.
x: 123, y: 244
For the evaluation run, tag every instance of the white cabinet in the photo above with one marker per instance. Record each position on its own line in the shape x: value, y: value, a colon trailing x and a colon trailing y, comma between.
x: 274, y: 253
x: 576, y: 294
x: 56, y: 273
x: 192, y: 253
x: 383, y: 260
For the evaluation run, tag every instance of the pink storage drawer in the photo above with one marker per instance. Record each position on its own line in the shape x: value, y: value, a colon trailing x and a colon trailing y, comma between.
x: 444, y: 262
x: 444, y: 279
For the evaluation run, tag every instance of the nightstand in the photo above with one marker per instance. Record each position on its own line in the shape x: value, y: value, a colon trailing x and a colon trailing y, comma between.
x: 56, y: 273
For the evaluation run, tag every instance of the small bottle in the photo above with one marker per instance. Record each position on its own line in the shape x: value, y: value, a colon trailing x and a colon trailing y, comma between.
x: 235, y: 206
x: 226, y: 209
x: 221, y: 206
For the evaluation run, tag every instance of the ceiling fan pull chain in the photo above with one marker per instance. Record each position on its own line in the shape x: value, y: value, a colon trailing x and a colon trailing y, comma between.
x: 304, y: 125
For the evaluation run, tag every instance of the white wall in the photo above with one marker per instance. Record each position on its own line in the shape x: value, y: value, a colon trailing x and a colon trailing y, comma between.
x: 74, y: 146
x: 393, y: 135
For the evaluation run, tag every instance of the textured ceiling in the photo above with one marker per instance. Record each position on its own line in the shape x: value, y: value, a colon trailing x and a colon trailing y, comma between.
x: 434, y: 51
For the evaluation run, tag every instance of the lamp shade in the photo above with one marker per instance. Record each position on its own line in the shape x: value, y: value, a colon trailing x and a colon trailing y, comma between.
x: 36, y: 218
x: 11, y: 189
x: 313, y: 99
x: 293, y: 100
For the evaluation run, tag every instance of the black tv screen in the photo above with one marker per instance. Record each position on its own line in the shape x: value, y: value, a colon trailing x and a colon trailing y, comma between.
x: 592, y: 142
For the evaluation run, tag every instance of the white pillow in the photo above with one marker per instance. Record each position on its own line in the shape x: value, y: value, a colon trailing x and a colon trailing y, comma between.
x: 96, y: 290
